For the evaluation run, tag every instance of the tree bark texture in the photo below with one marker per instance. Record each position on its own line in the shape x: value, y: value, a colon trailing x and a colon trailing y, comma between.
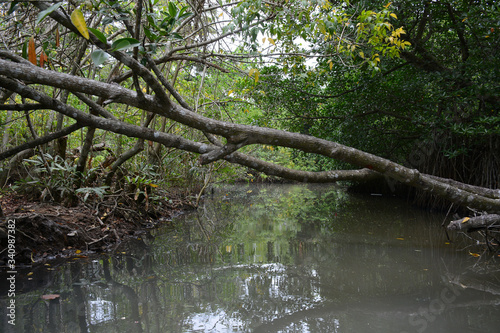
x: 476, y: 223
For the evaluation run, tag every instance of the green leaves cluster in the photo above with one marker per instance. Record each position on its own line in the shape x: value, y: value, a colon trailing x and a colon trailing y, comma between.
x: 161, y: 24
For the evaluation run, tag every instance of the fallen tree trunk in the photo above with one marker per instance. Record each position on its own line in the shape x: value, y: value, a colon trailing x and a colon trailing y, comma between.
x: 476, y: 223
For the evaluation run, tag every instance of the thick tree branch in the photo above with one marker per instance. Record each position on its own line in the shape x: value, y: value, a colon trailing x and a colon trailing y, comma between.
x: 476, y: 223
x: 40, y: 141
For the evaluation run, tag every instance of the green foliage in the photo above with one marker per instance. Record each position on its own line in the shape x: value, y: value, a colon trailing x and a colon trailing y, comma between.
x: 441, y: 91
x: 92, y: 191
x: 51, y: 181
x: 162, y: 23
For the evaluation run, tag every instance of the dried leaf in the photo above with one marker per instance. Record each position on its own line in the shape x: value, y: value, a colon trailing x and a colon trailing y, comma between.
x: 43, y: 58
x: 32, y: 51
x: 57, y: 37
x: 50, y: 296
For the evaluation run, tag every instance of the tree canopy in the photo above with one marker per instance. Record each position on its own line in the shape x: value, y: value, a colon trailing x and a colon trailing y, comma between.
x: 371, y: 88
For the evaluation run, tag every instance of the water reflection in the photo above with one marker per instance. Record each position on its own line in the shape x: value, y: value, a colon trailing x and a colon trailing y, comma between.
x: 272, y: 259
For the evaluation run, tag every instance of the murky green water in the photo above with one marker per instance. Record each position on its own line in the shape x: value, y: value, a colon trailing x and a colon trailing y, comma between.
x: 292, y: 258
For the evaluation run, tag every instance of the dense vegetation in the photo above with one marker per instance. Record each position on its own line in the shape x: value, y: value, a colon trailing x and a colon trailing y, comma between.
x: 107, y: 96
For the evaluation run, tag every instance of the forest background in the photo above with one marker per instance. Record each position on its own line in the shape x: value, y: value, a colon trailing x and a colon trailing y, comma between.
x: 106, y: 98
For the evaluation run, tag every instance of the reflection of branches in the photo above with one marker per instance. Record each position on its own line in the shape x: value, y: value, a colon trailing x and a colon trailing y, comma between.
x: 400, y: 307
x: 129, y: 292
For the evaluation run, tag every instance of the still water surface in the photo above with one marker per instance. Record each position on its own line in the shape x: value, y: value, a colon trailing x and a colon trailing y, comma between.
x: 280, y: 258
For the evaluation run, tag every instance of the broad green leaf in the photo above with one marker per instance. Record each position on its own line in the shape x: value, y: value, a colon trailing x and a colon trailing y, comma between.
x: 13, y: 7
x: 25, y: 49
x: 172, y: 9
x: 124, y: 43
x: 44, y: 13
x: 176, y: 35
x: 99, y: 35
x: 79, y: 22
x: 99, y: 57
x: 150, y: 34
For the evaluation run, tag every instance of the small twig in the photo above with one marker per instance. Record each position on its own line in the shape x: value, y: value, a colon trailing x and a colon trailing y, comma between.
x: 99, y: 220
x: 116, y: 235
x: 97, y: 240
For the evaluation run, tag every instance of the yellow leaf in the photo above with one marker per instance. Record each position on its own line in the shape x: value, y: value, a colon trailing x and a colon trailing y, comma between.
x: 387, y: 6
x: 249, y: 191
x: 79, y: 22
x: 331, y: 65
x: 153, y: 185
x: 29, y: 274
x: 321, y: 27
x: 400, y: 238
x: 78, y: 251
x: 271, y: 41
x: 394, y: 15
x: 465, y: 219
x: 474, y: 254
x: 255, y: 73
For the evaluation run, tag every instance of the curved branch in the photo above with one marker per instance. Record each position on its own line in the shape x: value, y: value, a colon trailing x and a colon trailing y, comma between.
x: 171, y: 140
x: 40, y: 141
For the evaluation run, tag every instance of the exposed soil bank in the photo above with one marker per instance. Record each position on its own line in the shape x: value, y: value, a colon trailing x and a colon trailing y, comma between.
x: 44, y: 231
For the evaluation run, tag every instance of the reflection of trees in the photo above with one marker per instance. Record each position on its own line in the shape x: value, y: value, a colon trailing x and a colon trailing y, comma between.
x: 268, y: 260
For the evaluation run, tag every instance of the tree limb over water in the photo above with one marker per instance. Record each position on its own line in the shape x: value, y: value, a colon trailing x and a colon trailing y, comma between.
x: 33, y: 82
